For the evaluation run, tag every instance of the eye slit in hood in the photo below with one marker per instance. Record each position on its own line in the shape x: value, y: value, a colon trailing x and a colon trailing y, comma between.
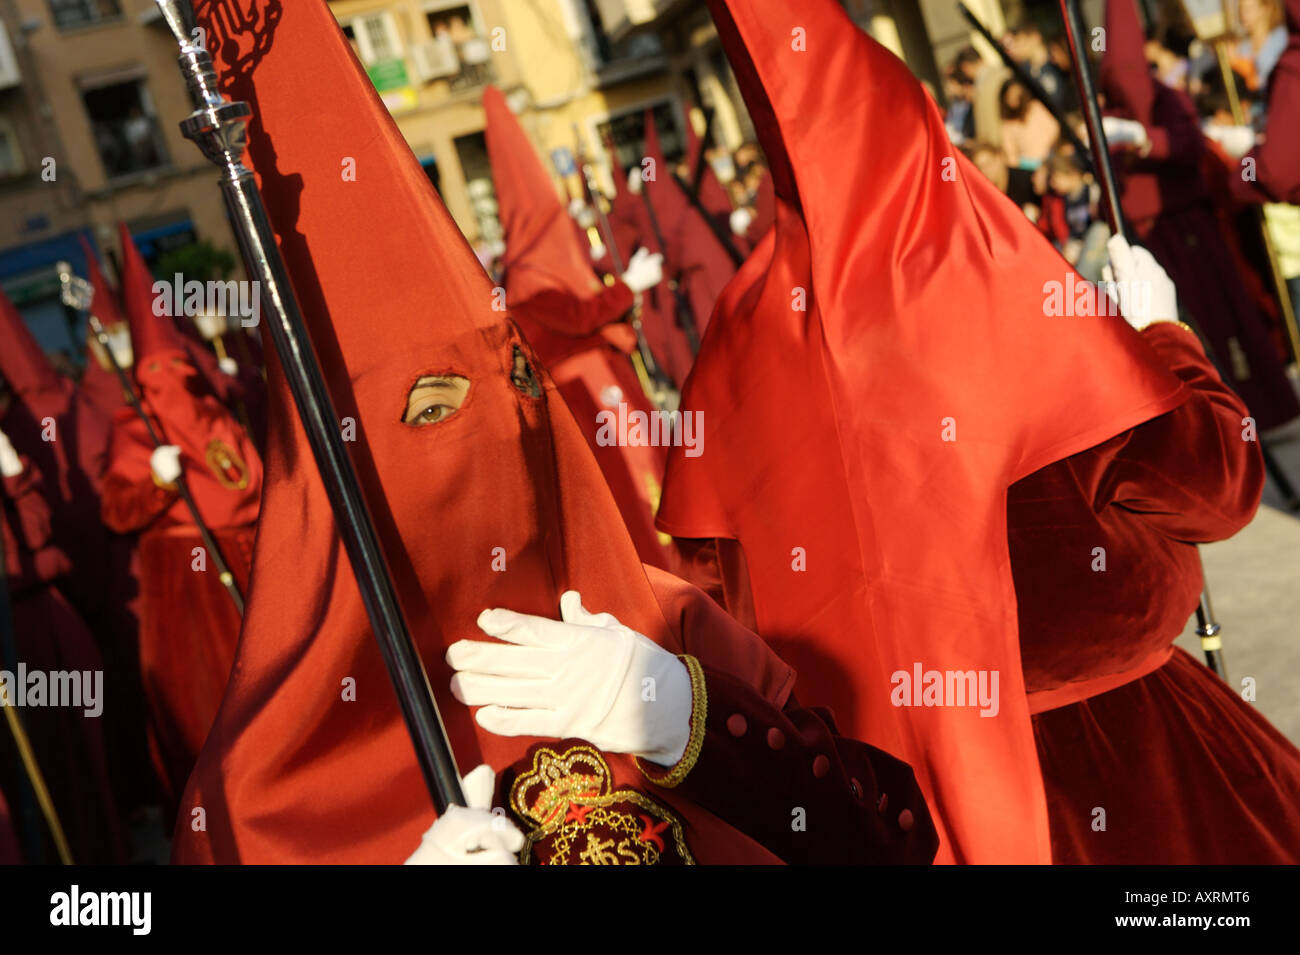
x: 523, y: 377
x: 435, y: 398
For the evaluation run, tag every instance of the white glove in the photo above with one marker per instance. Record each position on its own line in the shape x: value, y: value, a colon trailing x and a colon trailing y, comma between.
x: 10, y: 464
x: 471, y: 835
x: 646, y: 270
x: 228, y: 366
x: 587, y: 676
x: 1125, y: 132
x: 740, y: 220
x: 165, y: 462
x: 634, y: 180
x: 1235, y: 140
x: 1143, y: 289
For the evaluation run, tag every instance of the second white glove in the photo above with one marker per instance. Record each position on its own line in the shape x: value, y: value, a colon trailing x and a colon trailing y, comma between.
x: 584, y: 676
x: 473, y: 834
x: 1125, y: 132
x: 645, y: 270
x: 1143, y: 289
x: 165, y: 462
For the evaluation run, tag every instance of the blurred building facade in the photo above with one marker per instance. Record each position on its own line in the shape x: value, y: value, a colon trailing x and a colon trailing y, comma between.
x: 90, y: 98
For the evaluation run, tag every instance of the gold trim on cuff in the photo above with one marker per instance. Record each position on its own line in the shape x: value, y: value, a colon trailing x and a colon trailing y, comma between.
x: 1170, y: 321
x: 699, y: 714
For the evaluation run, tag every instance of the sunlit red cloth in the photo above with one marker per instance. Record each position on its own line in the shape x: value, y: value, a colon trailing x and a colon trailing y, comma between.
x: 294, y: 770
x: 873, y: 543
x: 1166, y: 200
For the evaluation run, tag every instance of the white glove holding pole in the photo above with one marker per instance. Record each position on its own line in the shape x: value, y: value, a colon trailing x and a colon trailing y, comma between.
x: 1143, y: 289
x: 473, y: 834
x: 165, y: 462
x: 1235, y: 140
x: 1125, y: 132
x: 10, y: 464
x: 645, y: 271
x: 584, y: 676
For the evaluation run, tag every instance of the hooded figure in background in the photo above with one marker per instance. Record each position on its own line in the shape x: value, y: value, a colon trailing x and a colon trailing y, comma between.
x: 99, y: 381
x: 188, y: 623
x: 68, y: 741
x: 237, y: 384
x: 857, y: 511
x: 485, y: 495
x: 573, y: 322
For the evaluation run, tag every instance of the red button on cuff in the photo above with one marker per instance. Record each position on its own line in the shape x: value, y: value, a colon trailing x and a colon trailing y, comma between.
x: 775, y: 738
x: 736, y: 725
x: 905, y: 820
x: 821, y: 766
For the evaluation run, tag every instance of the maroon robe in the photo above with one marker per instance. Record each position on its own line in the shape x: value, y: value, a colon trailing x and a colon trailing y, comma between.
x: 1186, y: 772
x: 68, y: 744
x: 1277, y: 159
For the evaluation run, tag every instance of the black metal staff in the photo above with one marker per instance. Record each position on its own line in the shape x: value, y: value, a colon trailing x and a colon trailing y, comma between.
x: 25, y: 754
x: 697, y: 174
x: 217, y: 127
x: 1207, y: 627
x: 77, y: 293
x: 1027, y: 80
x: 682, y: 306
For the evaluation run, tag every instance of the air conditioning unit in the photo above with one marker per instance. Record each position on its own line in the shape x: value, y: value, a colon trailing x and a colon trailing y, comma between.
x: 435, y: 59
x: 9, y: 72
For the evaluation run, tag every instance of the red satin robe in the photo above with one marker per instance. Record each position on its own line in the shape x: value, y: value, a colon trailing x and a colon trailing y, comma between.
x: 1185, y: 771
x: 188, y: 624
x: 587, y: 355
x: 68, y: 744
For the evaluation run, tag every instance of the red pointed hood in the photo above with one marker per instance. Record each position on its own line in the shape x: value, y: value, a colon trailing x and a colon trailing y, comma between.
x: 692, y: 253
x: 860, y: 450
x: 152, y: 334
x: 23, y: 362
x: 98, y: 382
x: 500, y: 504
x: 712, y: 194
x: 542, y: 250
x: 104, y: 302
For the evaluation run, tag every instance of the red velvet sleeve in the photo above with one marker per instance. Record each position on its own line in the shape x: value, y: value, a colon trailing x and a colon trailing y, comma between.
x: 1190, y: 471
x: 131, y: 500
x: 785, y: 778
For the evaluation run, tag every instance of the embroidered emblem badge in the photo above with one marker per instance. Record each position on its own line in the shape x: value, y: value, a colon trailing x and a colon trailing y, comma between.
x: 227, y: 465
x: 578, y: 818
